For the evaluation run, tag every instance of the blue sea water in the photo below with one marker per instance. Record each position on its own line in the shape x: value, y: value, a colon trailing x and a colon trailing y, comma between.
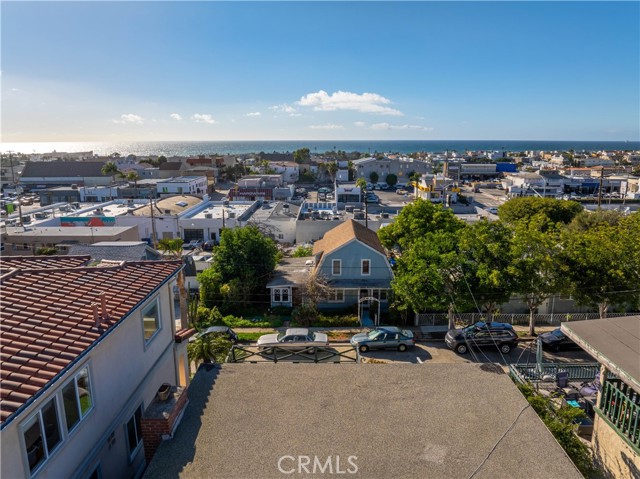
x: 191, y: 148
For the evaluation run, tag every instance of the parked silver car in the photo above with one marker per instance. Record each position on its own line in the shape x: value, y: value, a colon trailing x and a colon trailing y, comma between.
x: 293, y: 336
x: 384, y: 337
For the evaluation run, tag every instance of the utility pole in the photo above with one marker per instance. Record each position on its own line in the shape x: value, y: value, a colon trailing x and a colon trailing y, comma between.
x: 153, y: 222
x: 600, y: 188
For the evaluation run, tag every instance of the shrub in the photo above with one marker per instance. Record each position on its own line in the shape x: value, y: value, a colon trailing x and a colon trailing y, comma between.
x: 267, y: 322
x: 305, y: 314
x: 324, y: 321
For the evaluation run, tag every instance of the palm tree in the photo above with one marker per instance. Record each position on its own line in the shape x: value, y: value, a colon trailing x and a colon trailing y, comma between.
x: 110, y: 169
x: 208, y: 348
x: 332, y: 169
x: 132, y: 176
x: 351, y: 170
x: 173, y: 247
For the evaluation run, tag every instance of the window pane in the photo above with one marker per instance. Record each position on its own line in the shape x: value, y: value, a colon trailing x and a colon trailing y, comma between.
x: 365, y: 266
x: 340, y: 295
x: 131, y: 434
x: 150, y: 319
x: 71, y: 412
x: 84, y: 392
x: 336, y: 266
x: 33, y: 443
x: 51, y: 425
x: 285, y: 295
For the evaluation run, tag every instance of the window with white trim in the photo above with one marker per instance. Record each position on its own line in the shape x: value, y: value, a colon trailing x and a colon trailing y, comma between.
x: 134, y: 431
x: 336, y: 267
x: 280, y: 295
x: 365, y: 267
x: 77, y: 399
x: 42, y: 434
x: 336, y: 296
x: 151, y: 320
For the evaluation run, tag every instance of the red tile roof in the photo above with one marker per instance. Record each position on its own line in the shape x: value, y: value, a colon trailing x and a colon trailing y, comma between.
x: 47, y: 318
x: 8, y: 263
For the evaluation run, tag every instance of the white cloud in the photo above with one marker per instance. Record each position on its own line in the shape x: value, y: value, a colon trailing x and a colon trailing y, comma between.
x: 202, y: 118
x: 327, y: 126
x: 387, y: 126
x: 176, y: 116
x: 360, y: 124
x: 344, y: 100
x: 254, y: 113
x: 284, y: 108
x: 130, y: 118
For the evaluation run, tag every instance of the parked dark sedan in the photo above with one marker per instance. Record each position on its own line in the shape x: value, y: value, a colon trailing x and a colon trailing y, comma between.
x: 556, y: 340
x: 482, y: 335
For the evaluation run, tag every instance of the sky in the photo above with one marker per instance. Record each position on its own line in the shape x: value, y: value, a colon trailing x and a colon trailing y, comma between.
x: 131, y: 71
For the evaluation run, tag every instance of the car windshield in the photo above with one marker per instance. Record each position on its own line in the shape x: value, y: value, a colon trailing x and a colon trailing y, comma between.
x: 373, y: 334
x: 280, y: 336
x: 557, y: 333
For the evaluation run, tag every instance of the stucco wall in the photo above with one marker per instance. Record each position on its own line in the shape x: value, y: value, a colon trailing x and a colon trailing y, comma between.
x: 123, y: 373
x: 616, y: 456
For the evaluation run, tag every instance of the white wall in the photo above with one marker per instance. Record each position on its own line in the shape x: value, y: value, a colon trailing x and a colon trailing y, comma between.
x: 123, y: 373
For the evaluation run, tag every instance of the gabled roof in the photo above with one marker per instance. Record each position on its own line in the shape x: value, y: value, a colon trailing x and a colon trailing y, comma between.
x: 56, y: 169
x: 48, y: 324
x: 8, y: 263
x: 341, y: 235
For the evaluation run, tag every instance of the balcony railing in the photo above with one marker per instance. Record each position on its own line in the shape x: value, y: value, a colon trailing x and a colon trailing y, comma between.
x: 620, y: 404
x: 577, y: 372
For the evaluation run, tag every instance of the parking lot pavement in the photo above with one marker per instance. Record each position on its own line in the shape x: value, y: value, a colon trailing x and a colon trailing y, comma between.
x: 438, y: 352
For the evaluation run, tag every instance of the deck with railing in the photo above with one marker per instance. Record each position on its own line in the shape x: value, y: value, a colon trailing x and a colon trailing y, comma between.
x: 523, y: 373
x: 620, y: 405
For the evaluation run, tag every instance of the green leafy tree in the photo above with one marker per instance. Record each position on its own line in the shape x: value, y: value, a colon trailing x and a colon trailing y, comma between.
x: 161, y: 159
x: 173, y: 248
x: 302, y: 155
x: 536, y: 265
x: 132, y: 176
x: 303, y: 251
x: 586, y: 220
x: 391, y: 179
x: 373, y: 176
x: 603, y: 265
x: 528, y: 207
x: 485, y: 245
x: 351, y: 170
x: 431, y: 276
x: 244, y: 262
x: 415, y: 221
x: 332, y: 169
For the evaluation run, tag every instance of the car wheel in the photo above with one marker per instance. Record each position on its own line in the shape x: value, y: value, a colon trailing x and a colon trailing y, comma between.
x: 363, y: 348
x: 402, y: 347
x: 505, y: 348
x: 462, y: 349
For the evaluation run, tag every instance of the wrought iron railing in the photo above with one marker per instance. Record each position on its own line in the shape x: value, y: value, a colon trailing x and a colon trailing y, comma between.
x: 338, y: 353
x: 620, y: 404
x: 577, y: 372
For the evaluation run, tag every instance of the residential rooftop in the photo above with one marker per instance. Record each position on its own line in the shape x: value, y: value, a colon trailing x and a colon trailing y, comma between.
x: 614, y: 342
x: 48, y: 321
x: 395, y: 420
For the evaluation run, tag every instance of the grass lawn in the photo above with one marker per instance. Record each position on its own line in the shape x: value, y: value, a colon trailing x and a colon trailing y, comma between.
x: 246, y: 337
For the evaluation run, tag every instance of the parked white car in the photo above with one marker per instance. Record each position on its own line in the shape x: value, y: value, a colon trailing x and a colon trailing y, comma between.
x: 294, y: 336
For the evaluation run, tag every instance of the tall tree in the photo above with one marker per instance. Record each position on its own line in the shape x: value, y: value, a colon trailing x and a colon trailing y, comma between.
x: 604, y: 264
x: 416, y: 220
x: 485, y: 245
x: 373, y: 176
x: 391, y: 179
x: 302, y: 155
x: 536, y: 265
x: 528, y: 207
x: 332, y: 169
x: 244, y: 262
x: 173, y: 248
x: 362, y: 184
x: 110, y: 169
x: 351, y: 170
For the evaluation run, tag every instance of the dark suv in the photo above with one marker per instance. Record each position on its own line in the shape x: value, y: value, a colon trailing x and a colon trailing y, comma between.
x: 481, y: 335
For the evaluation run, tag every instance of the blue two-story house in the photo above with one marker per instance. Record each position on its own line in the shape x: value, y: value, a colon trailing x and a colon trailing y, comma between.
x: 353, y: 263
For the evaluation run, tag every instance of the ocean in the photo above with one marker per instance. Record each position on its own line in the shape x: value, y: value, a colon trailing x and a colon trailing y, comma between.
x: 193, y: 148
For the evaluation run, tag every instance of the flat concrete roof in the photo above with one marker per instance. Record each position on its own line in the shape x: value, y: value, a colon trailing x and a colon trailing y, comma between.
x: 614, y: 342
x: 434, y: 421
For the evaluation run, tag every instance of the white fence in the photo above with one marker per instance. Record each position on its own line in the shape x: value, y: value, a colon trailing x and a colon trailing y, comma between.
x: 439, y: 319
